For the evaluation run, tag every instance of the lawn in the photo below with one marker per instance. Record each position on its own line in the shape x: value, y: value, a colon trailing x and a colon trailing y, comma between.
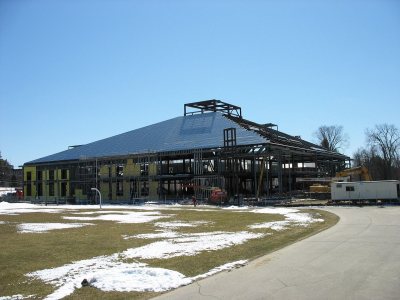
x: 135, y: 252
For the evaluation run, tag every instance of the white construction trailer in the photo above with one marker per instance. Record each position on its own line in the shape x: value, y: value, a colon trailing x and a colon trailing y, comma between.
x: 365, y: 190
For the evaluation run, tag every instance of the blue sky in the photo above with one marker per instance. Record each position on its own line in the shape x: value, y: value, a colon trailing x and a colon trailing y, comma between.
x: 73, y: 72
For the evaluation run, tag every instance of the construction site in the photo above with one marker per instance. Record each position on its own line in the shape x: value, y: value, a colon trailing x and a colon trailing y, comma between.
x: 210, y: 152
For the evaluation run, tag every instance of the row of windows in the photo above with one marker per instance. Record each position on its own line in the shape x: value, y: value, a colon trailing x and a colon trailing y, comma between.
x: 39, y: 190
x: 39, y: 175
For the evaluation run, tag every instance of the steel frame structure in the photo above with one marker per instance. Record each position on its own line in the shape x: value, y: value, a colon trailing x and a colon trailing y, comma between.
x: 253, y: 170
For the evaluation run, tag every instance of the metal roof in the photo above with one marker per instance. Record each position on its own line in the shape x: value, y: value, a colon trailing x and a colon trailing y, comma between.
x: 200, y: 131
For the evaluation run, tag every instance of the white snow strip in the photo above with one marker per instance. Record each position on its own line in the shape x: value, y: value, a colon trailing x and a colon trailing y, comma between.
x: 16, y: 297
x: 18, y: 211
x: 98, y: 212
x: 302, y: 218
x: 44, y: 227
x: 228, y: 266
x: 159, y: 235
x: 177, y: 224
x: 124, y: 217
x: 278, y: 225
x: 233, y: 207
x: 278, y: 210
x: 293, y: 217
x: 3, y: 222
x: 190, y: 244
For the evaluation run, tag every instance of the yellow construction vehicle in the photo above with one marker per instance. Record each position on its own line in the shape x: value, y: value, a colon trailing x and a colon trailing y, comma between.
x: 361, y: 171
x: 320, y: 188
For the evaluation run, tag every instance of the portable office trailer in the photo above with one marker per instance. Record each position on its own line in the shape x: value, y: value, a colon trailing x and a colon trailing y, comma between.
x: 366, y: 190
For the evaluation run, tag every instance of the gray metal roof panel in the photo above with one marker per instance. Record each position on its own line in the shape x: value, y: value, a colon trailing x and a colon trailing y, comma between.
x: 180, y: 133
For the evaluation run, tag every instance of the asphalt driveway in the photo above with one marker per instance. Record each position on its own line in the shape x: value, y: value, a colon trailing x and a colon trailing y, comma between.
x: 359, y: 258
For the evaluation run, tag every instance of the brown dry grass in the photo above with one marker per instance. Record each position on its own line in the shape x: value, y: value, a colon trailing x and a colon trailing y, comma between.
x: 24, y: 253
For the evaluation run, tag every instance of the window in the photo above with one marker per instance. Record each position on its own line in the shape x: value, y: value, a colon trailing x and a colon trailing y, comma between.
x: 39, y: 190
x: 28, y: 176
x: 120, y: 171
x: 29, y: 189
x: 63, y: 189
x: 350, y: 188
x: 51, y: 174
x: 39, y: 175
x: 120, y: 188
x: 64, y: 173
x: 51, y: 189
x: 339, y: 185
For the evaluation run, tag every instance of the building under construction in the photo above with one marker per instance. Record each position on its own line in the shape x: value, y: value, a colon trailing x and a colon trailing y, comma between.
x: 211, y: 146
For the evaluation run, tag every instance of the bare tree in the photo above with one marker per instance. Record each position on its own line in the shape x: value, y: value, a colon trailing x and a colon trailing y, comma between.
x: 369, y: 158
x: 385, y: 139
x: 331, y: 137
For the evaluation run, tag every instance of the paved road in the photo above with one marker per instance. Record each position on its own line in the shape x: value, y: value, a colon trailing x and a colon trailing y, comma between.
x: 359, y: 258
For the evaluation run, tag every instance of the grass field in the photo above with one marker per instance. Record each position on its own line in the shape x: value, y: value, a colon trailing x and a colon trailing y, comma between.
x: 183, y: 239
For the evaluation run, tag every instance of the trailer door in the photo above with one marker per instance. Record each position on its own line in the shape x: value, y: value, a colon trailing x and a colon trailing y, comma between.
x: 398, y: 190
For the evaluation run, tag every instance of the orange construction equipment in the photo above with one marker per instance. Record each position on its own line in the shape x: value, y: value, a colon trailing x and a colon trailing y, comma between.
x: 361, y: 171
x: 218, y: 196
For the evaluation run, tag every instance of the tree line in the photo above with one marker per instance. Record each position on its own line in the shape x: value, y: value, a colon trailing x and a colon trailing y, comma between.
x: 381, y: 153
x: 7, y: 176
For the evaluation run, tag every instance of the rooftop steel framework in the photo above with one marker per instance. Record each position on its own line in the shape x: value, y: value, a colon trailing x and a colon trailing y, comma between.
x: 213, y: 106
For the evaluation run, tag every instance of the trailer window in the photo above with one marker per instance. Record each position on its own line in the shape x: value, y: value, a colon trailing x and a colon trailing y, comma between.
x: 339, y: 185
x: 349, y: 188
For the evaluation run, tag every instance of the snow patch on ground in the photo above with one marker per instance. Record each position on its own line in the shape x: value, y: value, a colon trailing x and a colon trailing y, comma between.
x: 190, y: 244
x: 233, y: 207
x: 126, y: 278
x: 277, y: 226
x: 44, y: 227
x: 177, y: 224
x: 18, y: 211
x: 109, y: 274
x: 99, y: 212
x: 277, y: 210
x: 228, y: 266
x: 162, y: 234
x: 16, y: 297
x: 293, y: 217
x: 133, y: 217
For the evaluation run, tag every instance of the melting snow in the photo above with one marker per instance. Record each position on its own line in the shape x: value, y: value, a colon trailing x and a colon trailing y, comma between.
x: 278, y: 210
x: 109, y: 274
x: 16, y: 297
x: 278, y: 225
x: 125, y: 217
x: 43, y: 227
x: 159, y: 235
x: 190, y: 244
x: 228, y: 266
x: 177, y: 224
x: 292, y: 218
